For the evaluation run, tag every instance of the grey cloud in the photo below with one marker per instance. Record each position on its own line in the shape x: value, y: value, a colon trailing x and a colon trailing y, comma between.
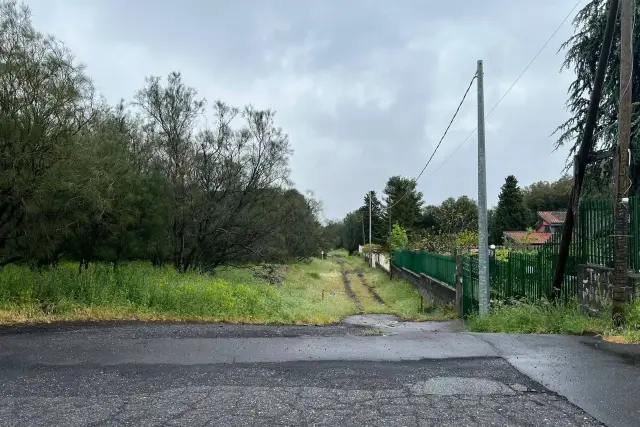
x: 420, y: 54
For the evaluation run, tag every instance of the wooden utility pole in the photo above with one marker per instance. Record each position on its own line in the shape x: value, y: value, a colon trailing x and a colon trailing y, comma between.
x: 621, y: 248
x: 586, y: 145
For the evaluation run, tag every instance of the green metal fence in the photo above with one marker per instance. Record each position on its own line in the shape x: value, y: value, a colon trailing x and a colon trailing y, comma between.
x: 469, y: 285
x: 596, y: 232
x: 529, y: 275
x: 439, y: 267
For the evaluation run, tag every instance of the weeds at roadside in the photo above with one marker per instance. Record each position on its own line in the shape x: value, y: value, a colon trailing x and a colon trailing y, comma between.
x: 544, y: 317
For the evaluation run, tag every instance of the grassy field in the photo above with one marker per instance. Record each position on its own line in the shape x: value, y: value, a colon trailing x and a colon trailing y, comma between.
x: 311, y: 293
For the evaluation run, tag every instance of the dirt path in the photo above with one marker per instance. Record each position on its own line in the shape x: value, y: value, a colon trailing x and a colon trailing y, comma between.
x: 347, y: 286
x: 372, y: 291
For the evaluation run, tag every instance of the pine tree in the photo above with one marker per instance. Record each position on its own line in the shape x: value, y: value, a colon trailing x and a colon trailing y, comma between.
x: 581, y: 56
x: 379, y: 229
x: 405, y: 202
x: 511, y: 213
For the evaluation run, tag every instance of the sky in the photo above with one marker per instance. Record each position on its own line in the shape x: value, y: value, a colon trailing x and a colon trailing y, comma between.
x: 364, y: 88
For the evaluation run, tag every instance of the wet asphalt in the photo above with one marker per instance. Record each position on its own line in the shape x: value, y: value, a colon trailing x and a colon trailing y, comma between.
x: 371, y: 371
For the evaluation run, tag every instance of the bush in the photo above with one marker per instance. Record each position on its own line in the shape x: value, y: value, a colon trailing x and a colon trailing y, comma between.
x: 398, y: 240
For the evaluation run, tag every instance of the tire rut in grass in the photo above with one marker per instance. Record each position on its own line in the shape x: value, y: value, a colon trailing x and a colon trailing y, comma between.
x: 347, y: 287
x: 372, y: 291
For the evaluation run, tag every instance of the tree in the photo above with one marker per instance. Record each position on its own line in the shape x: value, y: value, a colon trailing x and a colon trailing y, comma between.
x: 331, y: 235
x: 457, y: 215
x: 546, y: 196
x: 581, y: 56
x: 87, y: 181
x: 352, y: 232
x: 510, y: 214
x: 379, y: 229
x: 404, y: 202
x: 398, y: 240
x: 45, y: 101
x: 429, y: 220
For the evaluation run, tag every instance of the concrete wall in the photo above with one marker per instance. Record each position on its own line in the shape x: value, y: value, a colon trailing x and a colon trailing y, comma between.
x: 432, y: 289
x: 596, y: 283
x: 380, y: 260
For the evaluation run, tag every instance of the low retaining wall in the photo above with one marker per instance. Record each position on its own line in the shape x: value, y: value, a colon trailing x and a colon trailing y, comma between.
x: 434, y: 290
x: 380, y: 262
x: 596, y: 284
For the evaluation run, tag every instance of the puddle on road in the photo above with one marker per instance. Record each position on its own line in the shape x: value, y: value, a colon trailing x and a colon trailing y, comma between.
x: 389, y: 324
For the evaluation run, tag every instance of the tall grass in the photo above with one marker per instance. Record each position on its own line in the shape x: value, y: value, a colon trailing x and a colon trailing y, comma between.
x: 134, y: 287
x: 539, y: 318
x: 310, y: 293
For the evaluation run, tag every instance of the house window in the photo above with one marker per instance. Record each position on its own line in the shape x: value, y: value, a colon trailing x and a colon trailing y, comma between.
x: 547, y: 229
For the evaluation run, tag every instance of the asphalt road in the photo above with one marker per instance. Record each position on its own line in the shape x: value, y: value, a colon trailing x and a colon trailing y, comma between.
x: 380, y: 373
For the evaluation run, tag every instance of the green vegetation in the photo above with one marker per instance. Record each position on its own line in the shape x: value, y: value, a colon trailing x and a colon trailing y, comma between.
x: 398, y: 240
x: 549, y: 318
x: 542, y: 318
x: 309, y: 293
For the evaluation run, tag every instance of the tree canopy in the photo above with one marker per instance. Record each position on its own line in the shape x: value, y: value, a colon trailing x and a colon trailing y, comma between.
x: 582, y: 50
x: 165, y: 177
x: 510, y: 213
x: 403, y: 201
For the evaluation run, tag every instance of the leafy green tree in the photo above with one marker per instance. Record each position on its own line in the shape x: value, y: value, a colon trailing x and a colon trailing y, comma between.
x: 86, y: 181
x: 45, y: 100
x: 511, y: 213
x: 546, y: 196
x: 404, y: 202
x: 398, y: 240
x: 429, y: 220
x: 352, y: 232
x: 457, y: 215
x: 582, y: 50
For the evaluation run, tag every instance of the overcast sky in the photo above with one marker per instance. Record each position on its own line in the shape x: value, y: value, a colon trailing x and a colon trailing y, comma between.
x: 364, y: 88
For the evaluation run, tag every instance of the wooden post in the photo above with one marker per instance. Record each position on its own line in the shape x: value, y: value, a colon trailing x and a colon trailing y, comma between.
x: 621, y: 249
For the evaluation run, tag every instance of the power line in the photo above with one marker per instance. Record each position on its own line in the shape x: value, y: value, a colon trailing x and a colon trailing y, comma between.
x: 439, y: 142
x: 513, y: 84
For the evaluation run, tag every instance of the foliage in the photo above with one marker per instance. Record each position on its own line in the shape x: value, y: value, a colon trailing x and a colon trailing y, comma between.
x: 398, y: 240
x: 456, y: 215
x: 510, y: 214
x: 138, y: 290
x: 502, y: 255
x: 352, y: 232
x: 376, y: 249
x: 379, y: 227
x: 582, y: 50
x: 542, y: 318
x: 546, y: 196
x: 404, y: 202
x: 82, y: 180
x: 466, y: 240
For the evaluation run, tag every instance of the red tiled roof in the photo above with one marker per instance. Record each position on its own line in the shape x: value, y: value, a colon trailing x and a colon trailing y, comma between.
x: 528, y: 238
x: 553, y: 217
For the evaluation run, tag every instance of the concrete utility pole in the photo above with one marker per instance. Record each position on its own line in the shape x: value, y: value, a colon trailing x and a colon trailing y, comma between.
x: 370, y: 251
x: 621, y: 249
x: 483, y: 228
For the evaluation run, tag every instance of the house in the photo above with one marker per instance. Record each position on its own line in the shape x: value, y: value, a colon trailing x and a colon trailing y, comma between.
x: 549, y: 223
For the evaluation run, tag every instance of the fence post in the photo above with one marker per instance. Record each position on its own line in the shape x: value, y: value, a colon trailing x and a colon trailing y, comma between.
x: 459, y: 278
